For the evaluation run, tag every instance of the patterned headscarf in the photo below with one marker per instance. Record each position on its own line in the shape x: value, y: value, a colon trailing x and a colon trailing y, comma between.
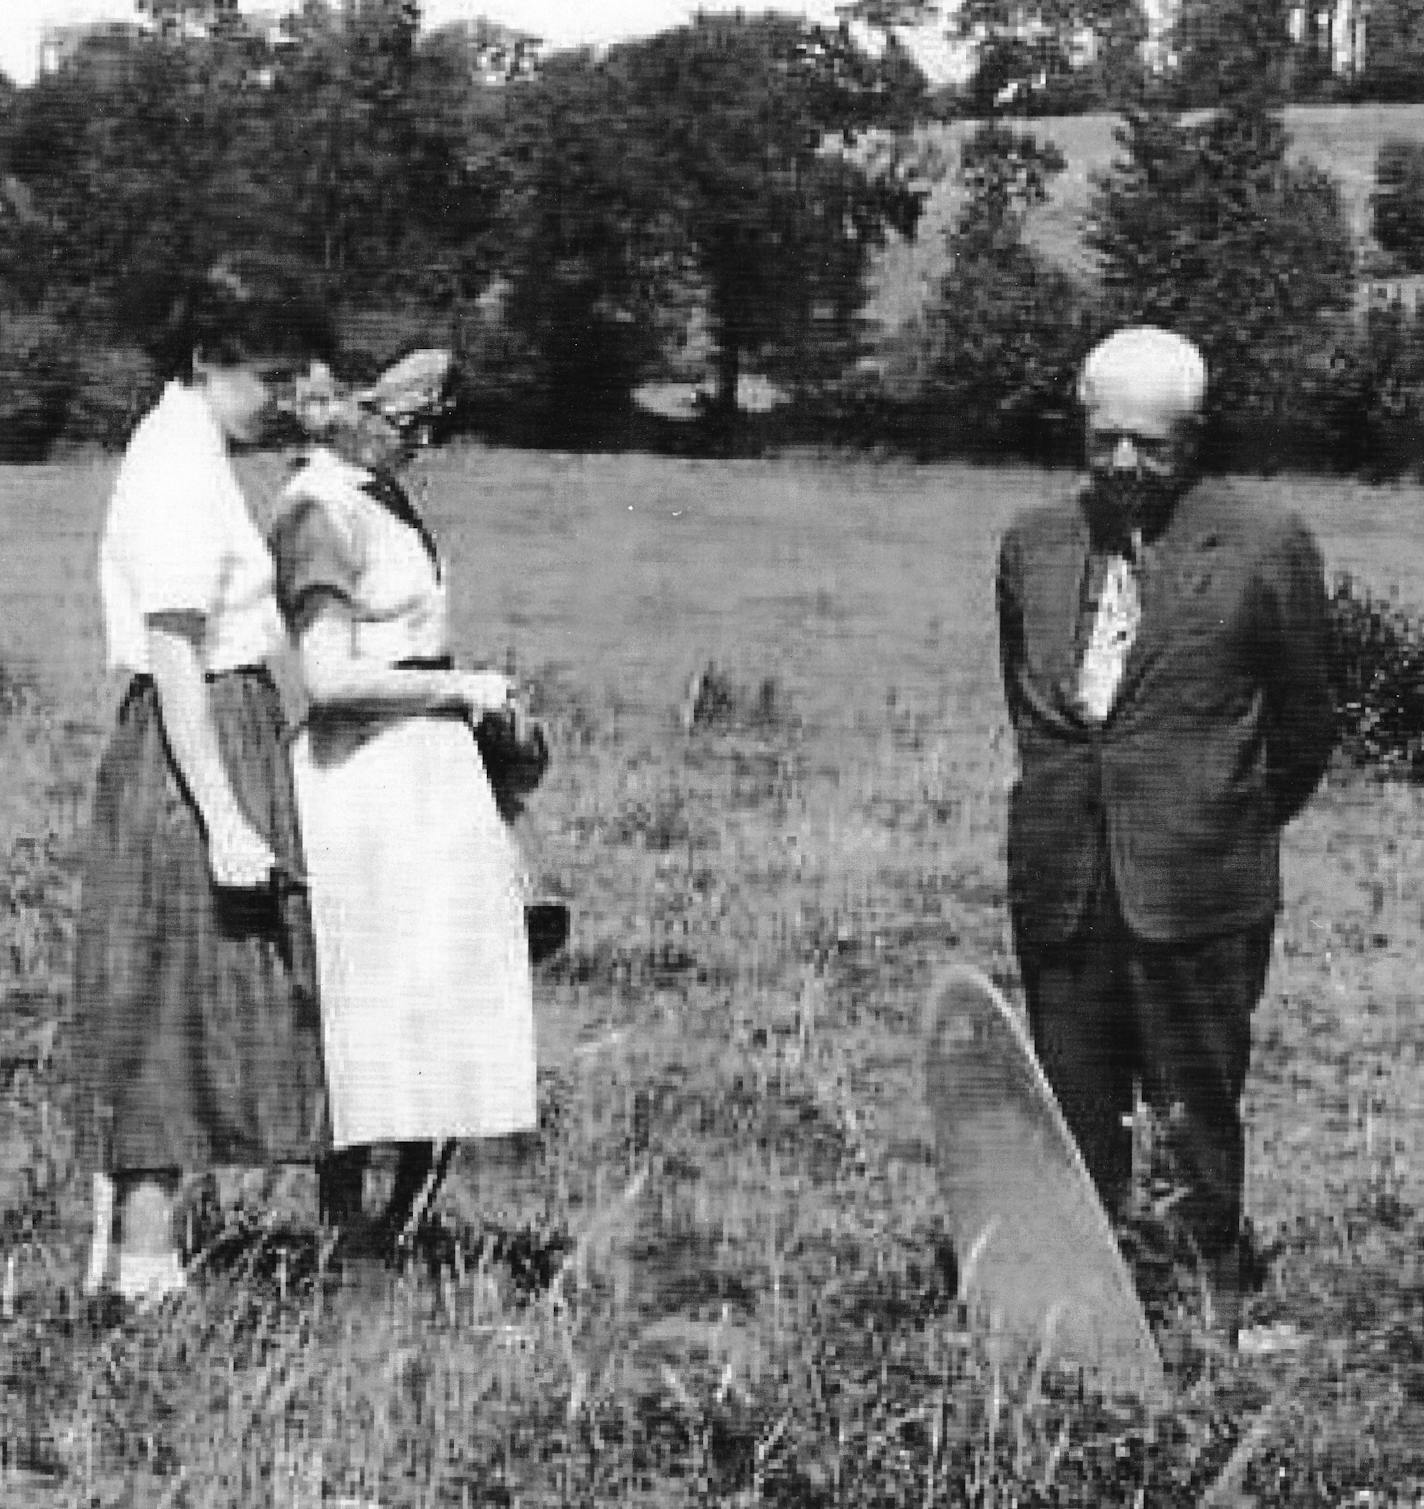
x: 377, y: 425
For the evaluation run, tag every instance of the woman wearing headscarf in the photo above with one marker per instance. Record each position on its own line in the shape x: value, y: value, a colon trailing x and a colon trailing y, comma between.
x: 416, y: 884
x: 198, y: 1027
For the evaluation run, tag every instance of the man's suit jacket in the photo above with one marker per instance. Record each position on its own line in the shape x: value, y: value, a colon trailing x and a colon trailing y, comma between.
x: 1222, y: 726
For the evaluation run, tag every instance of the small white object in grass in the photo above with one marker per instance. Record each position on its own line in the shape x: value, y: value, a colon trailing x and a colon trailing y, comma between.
x: 507, y: 1337
x: 1270, y: 1341
x: 603, y: 1044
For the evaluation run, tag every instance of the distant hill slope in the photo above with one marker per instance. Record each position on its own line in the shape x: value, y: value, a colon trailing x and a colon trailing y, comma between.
x: 1340, y: 138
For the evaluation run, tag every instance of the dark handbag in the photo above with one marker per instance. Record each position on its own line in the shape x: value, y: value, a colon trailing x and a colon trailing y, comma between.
x: 515, y: 760
x: 515, y: 765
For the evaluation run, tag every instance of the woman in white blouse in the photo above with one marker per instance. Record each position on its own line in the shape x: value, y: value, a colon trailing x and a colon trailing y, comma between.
x: 195, y: 980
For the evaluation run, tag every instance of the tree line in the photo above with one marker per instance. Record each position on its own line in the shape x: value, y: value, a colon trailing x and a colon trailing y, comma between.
x: 567, y: 225
x: 709, y: 202
x: 1064, y: 57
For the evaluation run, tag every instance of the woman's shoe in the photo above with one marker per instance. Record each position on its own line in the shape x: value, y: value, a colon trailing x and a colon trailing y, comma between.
x: 546, y: 921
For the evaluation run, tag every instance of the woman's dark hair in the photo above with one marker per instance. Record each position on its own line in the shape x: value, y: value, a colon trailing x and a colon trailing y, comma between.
x: 235, y: 311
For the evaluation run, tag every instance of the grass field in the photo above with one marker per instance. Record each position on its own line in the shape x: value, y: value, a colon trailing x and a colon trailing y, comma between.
x: 1341, y: 139
x: 714, y: 1275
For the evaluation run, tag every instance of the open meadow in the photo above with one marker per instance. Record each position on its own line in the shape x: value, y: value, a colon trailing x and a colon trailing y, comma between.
x: 716, y: 1274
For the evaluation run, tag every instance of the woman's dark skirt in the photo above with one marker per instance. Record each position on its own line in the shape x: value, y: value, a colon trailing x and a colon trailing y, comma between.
x: 199, y: 1033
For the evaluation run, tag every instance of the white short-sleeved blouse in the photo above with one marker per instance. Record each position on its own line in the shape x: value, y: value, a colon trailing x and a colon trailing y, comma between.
x: 179, y: 537
x: 335, y: 536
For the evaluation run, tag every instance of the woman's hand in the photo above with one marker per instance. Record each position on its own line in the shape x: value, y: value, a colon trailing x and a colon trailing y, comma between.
x: 521, y: 721
x: 238, y: 856
x: 336, y: 676
x: 485, y: 692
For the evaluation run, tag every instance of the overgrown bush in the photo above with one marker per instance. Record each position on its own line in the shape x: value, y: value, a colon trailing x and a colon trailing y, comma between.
x: 989, y: 367
x: 1397, y: 203
x: 114, y: 386
x: 38, y: 377
x: 994, y: 364
x: 868, y: 410
x: 1370, y: 409
x: 1205, y: 226
x: 1394, y: 61
x: 1377, y: 680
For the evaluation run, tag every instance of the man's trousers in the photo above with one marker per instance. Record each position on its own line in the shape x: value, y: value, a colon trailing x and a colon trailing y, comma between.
x: 1107, y: 1008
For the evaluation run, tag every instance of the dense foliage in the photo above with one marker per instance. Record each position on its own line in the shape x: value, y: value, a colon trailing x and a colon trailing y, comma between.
x: 1051, y: 54
x: 598, y: 207
x: 1203, y: 226
x: 1394, y: 67
x: 1377, y: 680
x: 1231, y: 50
x: 777, y: 231
x: 992, y: 364
x: 1372, y: 412
x: 1398, y: 200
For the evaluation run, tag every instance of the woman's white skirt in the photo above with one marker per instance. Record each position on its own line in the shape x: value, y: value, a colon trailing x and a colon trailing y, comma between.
x: 417, y: 899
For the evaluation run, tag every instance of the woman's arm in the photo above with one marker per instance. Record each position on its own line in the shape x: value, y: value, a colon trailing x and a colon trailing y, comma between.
x: 237, y: 853
x: 335, y: 676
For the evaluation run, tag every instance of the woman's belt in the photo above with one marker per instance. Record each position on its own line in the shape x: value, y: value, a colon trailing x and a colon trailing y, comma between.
x: 141, y: 683
x: 426, y: 663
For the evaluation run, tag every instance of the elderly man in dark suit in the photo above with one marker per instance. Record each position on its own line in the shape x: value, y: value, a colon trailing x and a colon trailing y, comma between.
x: 1164, y: 659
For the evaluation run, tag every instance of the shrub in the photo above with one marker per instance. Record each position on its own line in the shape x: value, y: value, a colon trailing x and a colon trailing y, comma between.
x: 1398, y: 200
x: 1377, y: 680
x: 715, y: 701
x: 37, y: 380
x: 991, y: 366
x: 1206, y: 227
x: 114, y: 387
x: 996, y: 360
x: 1372, y: 408
x: 867, y: 409
x: 1394, y: 64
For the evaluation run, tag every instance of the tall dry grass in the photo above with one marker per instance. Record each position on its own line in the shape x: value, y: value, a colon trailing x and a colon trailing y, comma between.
x: 717, y: 1274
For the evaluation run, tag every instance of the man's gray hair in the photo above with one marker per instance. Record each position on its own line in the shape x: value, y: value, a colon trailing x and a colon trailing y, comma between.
x: 1153, y: 367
